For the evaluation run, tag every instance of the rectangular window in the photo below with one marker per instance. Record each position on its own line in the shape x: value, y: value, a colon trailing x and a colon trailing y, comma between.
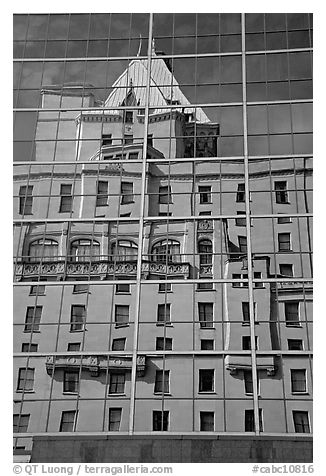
x: 106, y: 139
x: 257, y: 275
x: 284, y: 242
x: 33, y: 319
x: 206, y: 421
x: 122, y: 288
x: 121, y: 316
x: 162, y: 380
x: 163, y: 314
x: 128, y: 139
x: 298, y: 381
x: 205, y: 194
x: 286, y: 270
x: 77, y: 318
x: 250, y: 420
x: 163, y: 343
x: 291, y: 309
x: 246, y: 342
x: 21, y: 423
x: 26, y: 200
x: 133, y: 155
x: 206, y: 380
x: 247, y: 376
x: 117, y: 383
x: 160, y: 420
x: 119, y: 344
x: 71, y: 382
x: 165, y: 288
x: 165, y: 194
x: 283, y: 220
x: 128, y: 117
x: 150, y: 140
x: 301, y: 422
x: 245, y: 312
x: 206, y: 213
x: 25, y: 379
x: 127, y: 192
x: 295, y: 344
x: 65, y: 198
x: 242, y: 244
x: 281, y: 194
x: 80, y: 288
x: 115, y: 419
x: 240, y: 221
x: 236, y: 276
x: 102, y: 193
x: 206, y: 344
x: 37, y: 290
x: 68, y: 420
x: 73, y: 347
x: 205, y: 310
x: 241, y: 192
x: 29, y: 347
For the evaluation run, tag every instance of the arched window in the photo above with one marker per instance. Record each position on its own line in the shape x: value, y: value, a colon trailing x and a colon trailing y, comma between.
x: 43, y: 249
x: 166, y: 251
x: 124, y: 251
x: 205, y: 250
x: 84, y: 250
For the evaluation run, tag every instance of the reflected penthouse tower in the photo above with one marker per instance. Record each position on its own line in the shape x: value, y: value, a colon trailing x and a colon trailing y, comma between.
x: 162, y: 237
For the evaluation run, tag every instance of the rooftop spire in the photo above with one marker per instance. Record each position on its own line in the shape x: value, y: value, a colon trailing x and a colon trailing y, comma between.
x: 140, y: 45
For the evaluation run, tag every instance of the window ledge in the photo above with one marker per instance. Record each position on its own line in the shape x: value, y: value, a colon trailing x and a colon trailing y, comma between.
x: 77, y: 330
x: 70, y: 393
x: 165, y: 394
x: 300, y: 393
x: 116, y: 394
x: 117, y: 326
x: 25, y: 391
x: 32, y: 331
x: 293, y: 325
x: 207, y: 392
x: 205, y: 328
x: 163, y: 324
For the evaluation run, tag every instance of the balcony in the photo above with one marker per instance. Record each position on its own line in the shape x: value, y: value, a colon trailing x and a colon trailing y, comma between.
x: 102, y: 270
x: 94, y: 364
x: 243, y: 362
x: 294, y: 285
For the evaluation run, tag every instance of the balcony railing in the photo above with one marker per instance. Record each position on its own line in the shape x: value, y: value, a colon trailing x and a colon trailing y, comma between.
x: 99, y: 269
x: 294, y: 285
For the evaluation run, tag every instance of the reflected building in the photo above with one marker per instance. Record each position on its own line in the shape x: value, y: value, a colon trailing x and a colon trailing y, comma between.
x: 162, y: 239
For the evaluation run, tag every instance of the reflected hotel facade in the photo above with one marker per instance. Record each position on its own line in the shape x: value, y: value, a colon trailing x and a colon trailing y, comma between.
x: 162, y: 236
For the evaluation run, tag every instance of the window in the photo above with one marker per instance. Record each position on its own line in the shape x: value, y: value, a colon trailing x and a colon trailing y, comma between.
x: 163, y: 314
x: 128, y: 139
x: 73, y: 347
x: 301, y: 422
x: 124, y: 251
x: 241, y: 192
x: 26, y: 200
x: 206, y: 213
x: 162, y: 380
x: 117, y: 383
x: 43, y: 250
x: 205, y: 310
x: 84, y: 250
x: 286, y: 270
x: 71, y: 382
x: 298, y: 381
x: 65, y: 198
x: 291, y: 309
x: 29, y: 347
x: 37, y: 290
x: 284, y: 242
x: 205, y: 250
x: 106, y: 139
x: 207, y: 344
x: 77, y: 317
x: 240, y: 221
x: 205, y: 195
x: 206, y: 380
x: 165, y: 194
x: 250, y: 420
x: 133, y: 155
x: 115, y: 419
x: 127, y: 192
x: 242, y: 244
x: 245, y: 312
x: 281, y: 194
x: 102, y: 193
x: 283, y: 220
x: 295, y: 344
x: 128, y: 117
x: 160, y: 420
x: 206, y: 421
x: 119, y: 344
x: 166, y: 251
x: 33, y: 319
x: 247, y: 376
x: 163, y: 343
x: 204, y: 286
x: 150, y: 139
x: 165, y: 214
x: 80, y: 288
x: 122, y: 288
x: 68, y: 420
x: 121, y: 316
x: 246, y: 342
x: 236, y: 276
x: 257, y: 275
x: 25, y: 379
x: 165, y: 288
x: 21, y: 422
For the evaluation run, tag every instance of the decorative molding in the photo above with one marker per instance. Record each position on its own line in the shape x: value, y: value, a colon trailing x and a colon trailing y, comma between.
x: 205, y: 226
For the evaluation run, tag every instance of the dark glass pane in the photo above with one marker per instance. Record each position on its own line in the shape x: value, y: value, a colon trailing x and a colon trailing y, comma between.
x: 296, y: 21
x: 275, y: 21
x: 55, y: 49
x: 120, y: 25
x: 79, y: 26
x: 207, y: 23
x: 76, y: 49
x: 58, y: 27
x: 37, y: 27
x: 257, y: 119
x: 99, y: 25
x: 256, y: 68
x: 230, y: 22
x: 279, y: 119
x: 278, y: 91
x: 254, y: 22
x: 301, y: 89
x: 277, y: 67
x: 20, y: 27
x: 302, y: 117
x: 299, y: 39
x: 255, y: 41
x: 34, y: 49
x: 276, y: 41
x: 300, y: 65
x: 184, y: 24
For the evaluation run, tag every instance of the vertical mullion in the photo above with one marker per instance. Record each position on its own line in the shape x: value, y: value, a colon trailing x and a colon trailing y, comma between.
x: 249, y: 253
x: 140, y: 233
